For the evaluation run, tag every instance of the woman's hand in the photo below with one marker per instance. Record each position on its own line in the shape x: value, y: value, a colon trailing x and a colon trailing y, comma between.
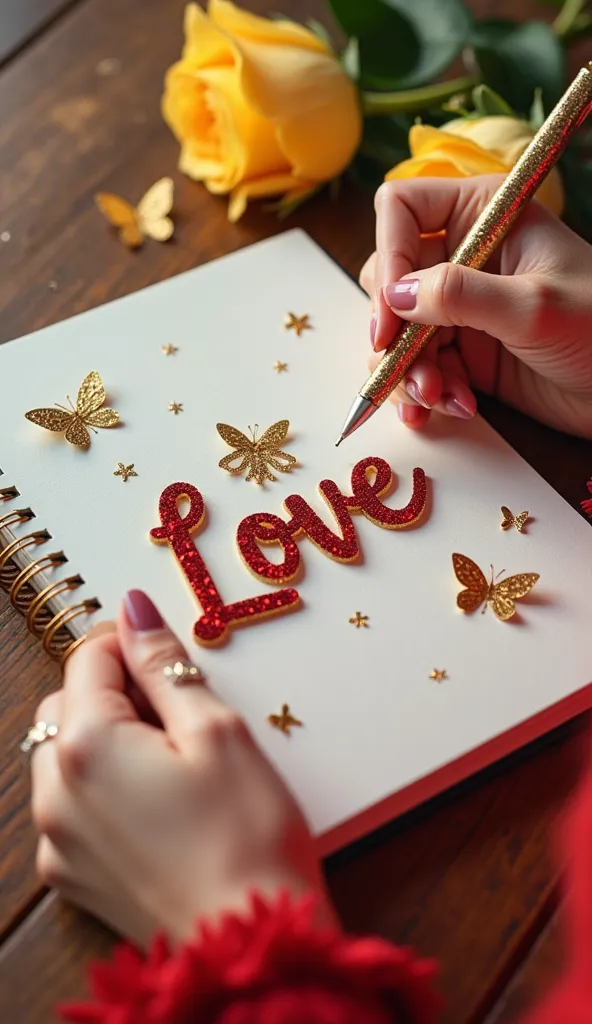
x: 151, y: 826
x: 520, y: 331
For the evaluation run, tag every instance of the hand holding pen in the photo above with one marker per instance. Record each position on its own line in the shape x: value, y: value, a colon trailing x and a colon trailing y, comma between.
x: 525, y: 322
x: 473, y: 251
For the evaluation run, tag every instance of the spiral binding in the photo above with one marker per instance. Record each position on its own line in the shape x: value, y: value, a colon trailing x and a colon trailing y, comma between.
x: 45, y: 624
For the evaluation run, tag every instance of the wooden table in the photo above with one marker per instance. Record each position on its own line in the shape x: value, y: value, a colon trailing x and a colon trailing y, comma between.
x: 466, y: 879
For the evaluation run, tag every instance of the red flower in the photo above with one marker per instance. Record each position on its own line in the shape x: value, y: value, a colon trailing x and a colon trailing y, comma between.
x: 271, y: 966
x: 587, y: 504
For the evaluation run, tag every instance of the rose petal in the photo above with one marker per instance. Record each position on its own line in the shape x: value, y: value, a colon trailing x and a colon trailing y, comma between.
x: 236, y: 22
x: 272, y: 185
x: 312, y: 103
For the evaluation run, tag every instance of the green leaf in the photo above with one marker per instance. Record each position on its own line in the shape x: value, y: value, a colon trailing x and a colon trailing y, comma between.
x: 576, y: 170
x: 515, y: 59
x: 404, y: 43
x: 350, y: 59
x: 489, y: 103
x: 537, y: 111
x: 385, y: 141
x: 320, y: 32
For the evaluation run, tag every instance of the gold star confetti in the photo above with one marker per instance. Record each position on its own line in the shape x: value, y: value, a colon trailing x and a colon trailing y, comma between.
x: 438, y: 674
x: 358, y: 620
x: 285, y: 721
x: 5, y: 236
x: 280, y: 367
x: 509, y: 519
x: 297, y: 323
x: 108, y: 66
x: 125, y: 471
x: 169, y: 350
x: 176, y: 407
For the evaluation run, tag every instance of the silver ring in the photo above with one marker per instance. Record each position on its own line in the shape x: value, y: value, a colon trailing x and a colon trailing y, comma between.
x: 183, y: 672
x: 38, y: 733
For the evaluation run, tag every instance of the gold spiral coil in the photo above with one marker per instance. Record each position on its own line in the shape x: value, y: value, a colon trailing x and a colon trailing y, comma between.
x: 42, y: 621
x: 6, y: 493
x: 18, y: 515
x: 22, y: 592
x: 57, y: 639
x: 39, y: 614
x: 10, y: 569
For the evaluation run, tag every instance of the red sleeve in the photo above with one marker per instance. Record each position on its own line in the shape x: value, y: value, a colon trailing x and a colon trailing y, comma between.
x: 271, y: 965
x: 570, y: 1001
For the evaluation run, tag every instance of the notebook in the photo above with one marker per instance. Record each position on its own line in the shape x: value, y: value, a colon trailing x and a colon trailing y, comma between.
x: 358, y: 641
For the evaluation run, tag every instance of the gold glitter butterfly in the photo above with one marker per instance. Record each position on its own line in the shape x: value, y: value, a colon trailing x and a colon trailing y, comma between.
x: 510, y: 519
x: 258, y: 454
x: 501, y: 596
x: 74, y: 421
x: 149, y: 218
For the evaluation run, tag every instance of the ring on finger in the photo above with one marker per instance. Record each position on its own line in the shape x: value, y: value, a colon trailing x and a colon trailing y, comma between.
x: 38, y: 733
x: 182, y: 672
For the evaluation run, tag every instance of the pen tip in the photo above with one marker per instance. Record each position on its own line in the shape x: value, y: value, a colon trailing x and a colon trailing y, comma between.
x: 339, y: 440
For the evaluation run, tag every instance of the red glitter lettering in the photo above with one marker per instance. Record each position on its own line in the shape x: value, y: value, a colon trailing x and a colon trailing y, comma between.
x: 176, y: 531
x: 342, y: 548
x: 264, y: 528
x: 366, y: 495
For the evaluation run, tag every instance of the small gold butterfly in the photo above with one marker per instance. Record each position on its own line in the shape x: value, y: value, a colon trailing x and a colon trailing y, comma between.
x: 150, y: 217
x: 510, y: 519
x: 74, y: 422
x: 501, y: 596
x: 257, y: 455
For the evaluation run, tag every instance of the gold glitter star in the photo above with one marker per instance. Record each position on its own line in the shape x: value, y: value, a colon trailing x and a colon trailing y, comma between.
x: 285, y: 721
x: 297, y: 323
x: 358, y: 620
x: 125, y: 471
x: 280, y: 367
x: 169, y: 350
x: 176, y: 407
x: 438, y: 674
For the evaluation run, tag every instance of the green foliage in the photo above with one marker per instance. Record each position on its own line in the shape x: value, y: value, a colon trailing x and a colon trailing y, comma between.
x: 515, y: 59
x: 403, y: 43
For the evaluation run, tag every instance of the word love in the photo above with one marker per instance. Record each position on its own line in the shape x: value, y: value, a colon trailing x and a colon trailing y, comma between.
x: 371, y: 478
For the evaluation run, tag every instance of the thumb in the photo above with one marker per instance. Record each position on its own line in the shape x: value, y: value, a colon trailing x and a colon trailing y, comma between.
x: 450, y: 295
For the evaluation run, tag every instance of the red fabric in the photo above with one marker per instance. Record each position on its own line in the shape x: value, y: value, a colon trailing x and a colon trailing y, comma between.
x: 271, y: 966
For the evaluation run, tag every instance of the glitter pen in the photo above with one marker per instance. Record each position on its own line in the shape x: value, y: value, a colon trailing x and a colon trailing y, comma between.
x: 487, y: 232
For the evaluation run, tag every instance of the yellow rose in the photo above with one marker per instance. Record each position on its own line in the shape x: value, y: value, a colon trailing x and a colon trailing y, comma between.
x: 260, y: 107
x: 465, y: 147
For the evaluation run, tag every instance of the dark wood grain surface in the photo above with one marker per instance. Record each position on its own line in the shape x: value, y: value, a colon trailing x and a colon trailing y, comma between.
x: 467, y: 879
x: 21, y: 20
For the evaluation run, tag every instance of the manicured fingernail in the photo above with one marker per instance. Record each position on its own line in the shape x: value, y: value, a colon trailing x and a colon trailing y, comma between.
x: 414, y: 392
x: 372, y: 330
x: 142, y: 614
x: 456, y: 408
x: 402, y: 294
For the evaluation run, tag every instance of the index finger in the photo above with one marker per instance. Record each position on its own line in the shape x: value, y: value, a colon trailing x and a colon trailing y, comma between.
x: 410, y: 208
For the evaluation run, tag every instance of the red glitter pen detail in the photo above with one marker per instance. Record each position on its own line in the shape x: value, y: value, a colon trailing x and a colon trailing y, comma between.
x: 176, y: 531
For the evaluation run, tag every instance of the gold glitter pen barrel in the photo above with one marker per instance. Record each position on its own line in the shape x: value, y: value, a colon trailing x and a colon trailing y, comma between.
x: 488, y: 231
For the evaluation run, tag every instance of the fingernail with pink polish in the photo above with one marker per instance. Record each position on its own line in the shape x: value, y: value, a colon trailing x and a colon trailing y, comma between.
x: 456, y: 408
x: 142, y: 614
x: 402, y: 294
x: 372, y: 330
x: 414, y: 391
